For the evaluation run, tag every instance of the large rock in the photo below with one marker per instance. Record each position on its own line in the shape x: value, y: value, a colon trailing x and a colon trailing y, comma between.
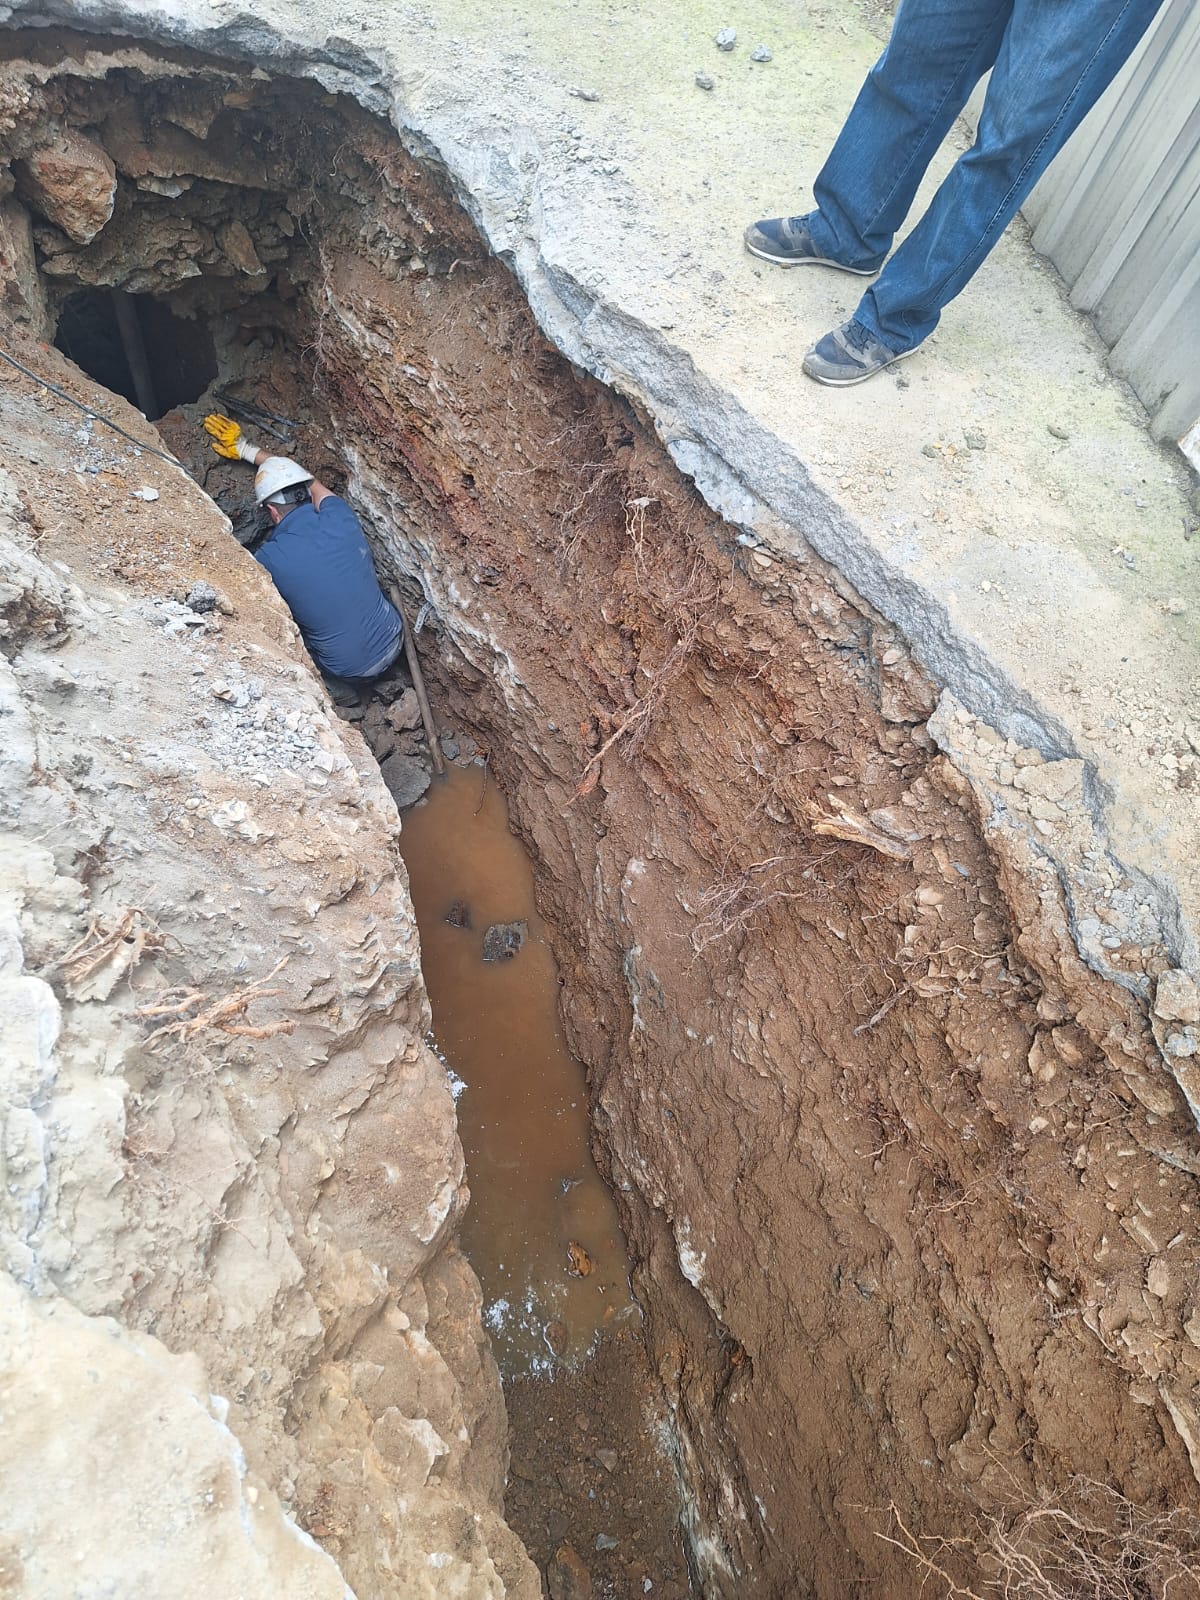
x: 180, y: 1515
x: 406, y: 778
x: 73, y: 184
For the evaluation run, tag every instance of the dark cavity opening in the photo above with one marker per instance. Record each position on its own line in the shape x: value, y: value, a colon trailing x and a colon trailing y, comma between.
x: 137, y: 346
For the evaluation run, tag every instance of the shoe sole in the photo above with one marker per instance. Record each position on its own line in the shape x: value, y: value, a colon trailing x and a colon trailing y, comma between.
x: 848, y: 383
x: 809, y: 261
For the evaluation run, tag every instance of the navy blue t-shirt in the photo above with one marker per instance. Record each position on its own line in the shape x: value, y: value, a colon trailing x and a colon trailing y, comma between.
x: 322, y: 566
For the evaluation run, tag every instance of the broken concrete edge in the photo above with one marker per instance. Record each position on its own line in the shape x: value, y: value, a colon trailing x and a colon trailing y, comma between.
x: 770, y: 495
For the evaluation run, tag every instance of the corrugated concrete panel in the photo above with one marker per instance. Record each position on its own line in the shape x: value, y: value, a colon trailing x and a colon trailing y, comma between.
x: 1119, y: 215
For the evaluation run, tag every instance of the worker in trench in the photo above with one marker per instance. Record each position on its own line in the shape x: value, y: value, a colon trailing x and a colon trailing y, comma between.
x: 319, y: 559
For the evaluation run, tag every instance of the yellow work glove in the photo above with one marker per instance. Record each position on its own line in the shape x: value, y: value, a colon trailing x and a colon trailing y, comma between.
x: 227, y: 438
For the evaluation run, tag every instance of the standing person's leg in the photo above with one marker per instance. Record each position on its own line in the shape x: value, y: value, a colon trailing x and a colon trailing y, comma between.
x: 1055, y: 61
x: 937, y: 53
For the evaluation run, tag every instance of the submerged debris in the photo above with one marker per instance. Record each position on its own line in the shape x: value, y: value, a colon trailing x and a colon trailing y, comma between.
x: 459, y: 915
x: 502, y: 940
x: 579, y: 1263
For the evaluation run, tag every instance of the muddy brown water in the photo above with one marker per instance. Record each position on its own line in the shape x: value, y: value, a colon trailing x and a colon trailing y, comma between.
x: 522, y: 1098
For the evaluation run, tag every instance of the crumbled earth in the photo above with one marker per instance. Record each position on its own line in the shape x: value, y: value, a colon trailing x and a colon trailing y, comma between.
x: 589, y: 1472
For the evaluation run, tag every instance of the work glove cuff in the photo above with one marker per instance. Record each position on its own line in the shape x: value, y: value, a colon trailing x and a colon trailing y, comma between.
x: 246, y: 451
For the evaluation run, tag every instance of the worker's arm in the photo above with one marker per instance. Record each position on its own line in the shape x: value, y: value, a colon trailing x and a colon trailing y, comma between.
x: 230, y: 442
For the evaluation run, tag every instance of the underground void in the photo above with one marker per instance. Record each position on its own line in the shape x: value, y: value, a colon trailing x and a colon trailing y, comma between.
x: 138, y: 347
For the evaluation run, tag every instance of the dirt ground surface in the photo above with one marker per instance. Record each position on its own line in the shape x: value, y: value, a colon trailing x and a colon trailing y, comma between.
x: 891, y: 1046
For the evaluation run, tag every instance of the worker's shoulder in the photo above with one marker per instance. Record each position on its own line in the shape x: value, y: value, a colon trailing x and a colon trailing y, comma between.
x: 334, y: 509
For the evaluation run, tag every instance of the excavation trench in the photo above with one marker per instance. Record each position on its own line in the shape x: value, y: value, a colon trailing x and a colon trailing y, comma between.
x: 893, y: 1164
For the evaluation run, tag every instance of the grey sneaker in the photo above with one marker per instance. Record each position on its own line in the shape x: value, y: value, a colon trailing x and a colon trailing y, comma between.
x: 850, y: 354
x: 787, y: 242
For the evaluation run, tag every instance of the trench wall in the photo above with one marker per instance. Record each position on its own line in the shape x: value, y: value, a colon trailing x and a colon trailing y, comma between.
x: 907, y: 1182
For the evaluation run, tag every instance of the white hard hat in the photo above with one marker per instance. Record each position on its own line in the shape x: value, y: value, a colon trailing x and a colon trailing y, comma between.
x: 275, y: 475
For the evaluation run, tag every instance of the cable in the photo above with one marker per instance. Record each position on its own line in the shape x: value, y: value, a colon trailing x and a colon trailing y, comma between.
x: 96, y: 416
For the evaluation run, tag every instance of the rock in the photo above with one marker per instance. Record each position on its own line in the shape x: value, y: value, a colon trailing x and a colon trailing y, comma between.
x: 703, y: 81
x: 761, y: 53
x: 1175, y: 607
x: 1177, y: 997
x: 566, y: 1577
x: 607, y: 1459
x: 73, y: 185
x: 378, y: 733
x: 579, y: 1263
x: 726, y: 39
x: 145, y: 493
x: 450, y: 749
x: 341, y: 692
x: 405, y: 712
x: 467, y: 748
x: 21, y: 293
x: 605, y: 1541
x: 238, y: 248
x: 406, y: 778
x: 201, y: 597
x: 589, y: 95
x: 459, y: 915
x: 503, y: 939
x: 975, y: 441
x: 1053, y: 429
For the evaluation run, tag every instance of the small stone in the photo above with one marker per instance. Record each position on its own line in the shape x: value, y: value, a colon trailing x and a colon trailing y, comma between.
x: 605, y: 1541
x: 238, y: 247
x: 761, y: 53
x: 450, y: 749
x: 566, y: 1577
x: 503, y: 939
x: 975, y: 441
x: 1175, y: 607
x: 404, y: 712
x: 1056, y: 432
x: 145, y: 493
x: 589, y: 95
x: 1158, y: 1278
x: 607, y: 1459
x: 221, y: 690
x: 579, y: 1263
x: 726, y: 39
x: 703, y: 81
x: 201, y: 597
x: 1177, y: 997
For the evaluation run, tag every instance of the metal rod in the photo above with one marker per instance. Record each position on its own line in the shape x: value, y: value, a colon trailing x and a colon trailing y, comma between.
x: 130, y: 329
x: 418, y: 678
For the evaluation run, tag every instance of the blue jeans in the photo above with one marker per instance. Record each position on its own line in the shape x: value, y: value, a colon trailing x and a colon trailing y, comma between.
x: 1050, y: 62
